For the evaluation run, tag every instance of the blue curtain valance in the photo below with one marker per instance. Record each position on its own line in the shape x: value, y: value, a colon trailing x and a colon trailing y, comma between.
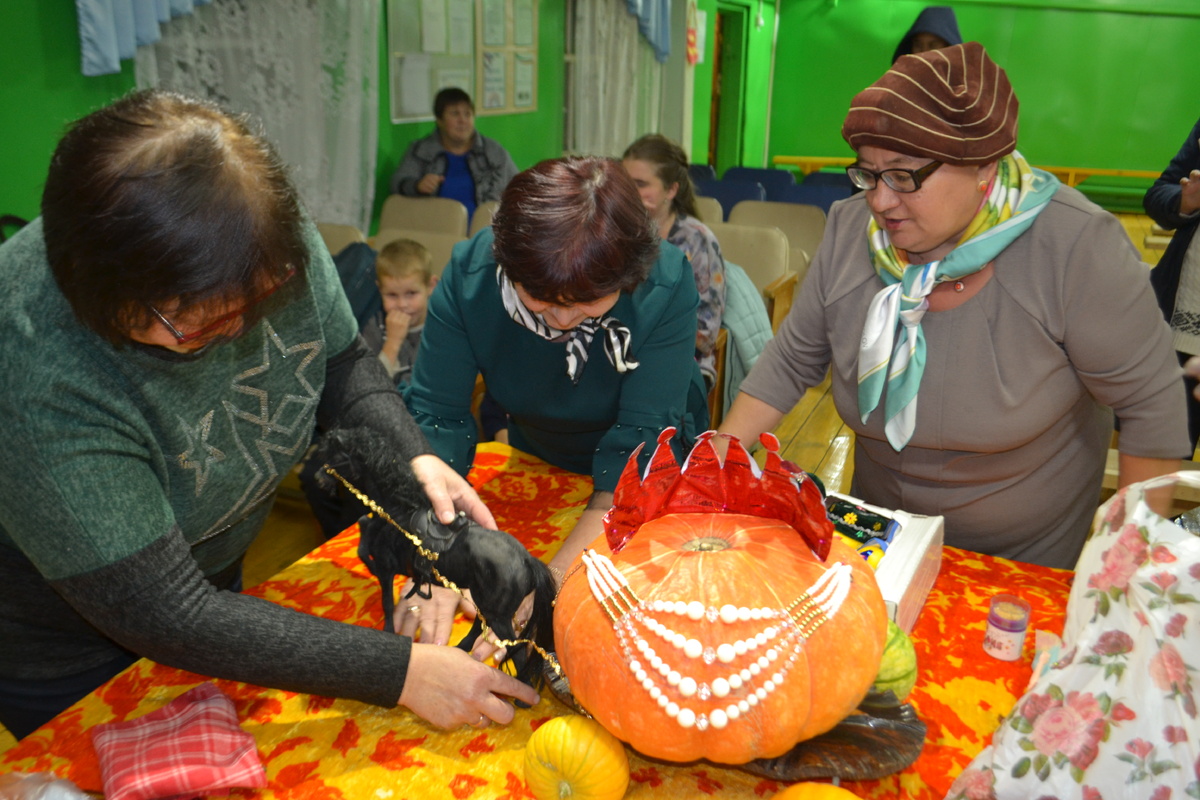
x: 654, y: 22
x: 112, y: 30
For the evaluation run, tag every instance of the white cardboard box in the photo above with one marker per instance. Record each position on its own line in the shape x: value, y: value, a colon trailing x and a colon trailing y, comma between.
x: 907, y: 571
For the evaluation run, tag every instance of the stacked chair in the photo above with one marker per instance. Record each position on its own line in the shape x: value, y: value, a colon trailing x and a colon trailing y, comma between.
x: 709, y: 209
x: 439, y: 223
x: 730, y: 193
x: 760, y: 255
x: 338, y: 237
x: 763, y: 253
x: 483, y: 216
x: 439, y: 214
x: 440, y: 245
x: 834, y: 177
x: 820, y: 194
x: 774, y: 181
x: 702, y: 172
x: 802, y: 224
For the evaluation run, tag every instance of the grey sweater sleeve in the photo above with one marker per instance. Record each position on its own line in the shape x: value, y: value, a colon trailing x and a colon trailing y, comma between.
x: 412, y: 168
x: 158, y: 604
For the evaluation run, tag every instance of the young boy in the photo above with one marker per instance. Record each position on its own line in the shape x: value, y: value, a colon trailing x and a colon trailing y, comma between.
x: 403, y: 272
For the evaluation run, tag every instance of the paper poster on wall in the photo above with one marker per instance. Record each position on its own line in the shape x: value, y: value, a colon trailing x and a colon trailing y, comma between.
x: 494, y: 23
x: 460, y: 78
x: 523, y: 81
x: 495, y: 80
x: 433, y: 26
x: 523, y: 23
x: 461, y: 26
x: 413, y: 71
x: 701, y: 34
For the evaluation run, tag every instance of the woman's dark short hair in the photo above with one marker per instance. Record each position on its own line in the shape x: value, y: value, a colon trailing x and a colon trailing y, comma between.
x: 160, y: 197
x: 450, y: 96
x: 573, y: 230
x: 671, y: 166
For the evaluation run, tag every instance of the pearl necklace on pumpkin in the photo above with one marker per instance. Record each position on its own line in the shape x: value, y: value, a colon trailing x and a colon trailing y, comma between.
x: 785, y: 632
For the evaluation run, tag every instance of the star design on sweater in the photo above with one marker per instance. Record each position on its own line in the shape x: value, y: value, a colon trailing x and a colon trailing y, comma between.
x: 198, y: 437
x: 269, y: 430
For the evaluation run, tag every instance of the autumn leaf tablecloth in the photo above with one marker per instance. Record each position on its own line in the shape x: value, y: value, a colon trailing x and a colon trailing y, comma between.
x: 319, y: 748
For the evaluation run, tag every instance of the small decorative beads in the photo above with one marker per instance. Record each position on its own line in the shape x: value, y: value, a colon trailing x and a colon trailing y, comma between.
x: 772, y: 651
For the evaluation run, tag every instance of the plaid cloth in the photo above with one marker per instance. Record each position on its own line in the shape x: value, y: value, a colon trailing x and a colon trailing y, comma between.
x: 189, y: 747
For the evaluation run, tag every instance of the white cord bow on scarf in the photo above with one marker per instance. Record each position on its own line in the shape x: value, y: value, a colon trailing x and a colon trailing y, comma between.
x: 617, y: 337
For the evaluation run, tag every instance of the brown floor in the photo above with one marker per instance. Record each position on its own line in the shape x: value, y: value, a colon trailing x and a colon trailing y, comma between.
x: 811, y: 436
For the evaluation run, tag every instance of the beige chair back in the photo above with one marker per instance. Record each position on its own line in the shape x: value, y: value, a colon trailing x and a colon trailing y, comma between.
x: 710, y: 210
x: 804, y: 225
x: 439, y: 245
x: 763, y: 253
x: 436, y: 214
x: 483, y: 216
x: 338, y: 236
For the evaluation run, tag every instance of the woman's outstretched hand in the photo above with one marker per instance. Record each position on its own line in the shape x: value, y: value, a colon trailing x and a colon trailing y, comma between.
x: 448, y: 491
x: 448, y: 688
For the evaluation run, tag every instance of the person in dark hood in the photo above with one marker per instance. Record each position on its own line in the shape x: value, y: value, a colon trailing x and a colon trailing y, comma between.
x: 936, y: 27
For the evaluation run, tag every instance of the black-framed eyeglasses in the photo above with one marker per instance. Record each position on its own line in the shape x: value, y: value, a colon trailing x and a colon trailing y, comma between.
x: 222, y: 321
x: 904, y: 181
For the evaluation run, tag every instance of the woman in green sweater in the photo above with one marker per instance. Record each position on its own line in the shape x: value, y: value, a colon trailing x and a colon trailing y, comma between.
x: 171, y: 329
x: 582, y: 324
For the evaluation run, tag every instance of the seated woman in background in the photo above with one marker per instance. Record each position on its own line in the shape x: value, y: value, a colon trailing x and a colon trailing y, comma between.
x: 1018, y: 309
x: 659, y: 169
x: 582, y: 324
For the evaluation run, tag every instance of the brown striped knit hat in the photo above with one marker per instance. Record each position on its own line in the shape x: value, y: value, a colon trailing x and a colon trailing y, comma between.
x: 954, y: 105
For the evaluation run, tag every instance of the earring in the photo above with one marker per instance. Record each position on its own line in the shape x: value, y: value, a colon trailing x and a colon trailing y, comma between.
x: 983, y: 186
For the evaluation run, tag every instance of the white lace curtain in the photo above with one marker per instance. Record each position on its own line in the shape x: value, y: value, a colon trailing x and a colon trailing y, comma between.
x: 616, y: 82
x: 308, y: 69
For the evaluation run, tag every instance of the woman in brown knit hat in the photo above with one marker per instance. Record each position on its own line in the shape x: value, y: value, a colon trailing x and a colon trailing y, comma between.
x: 980, y: 321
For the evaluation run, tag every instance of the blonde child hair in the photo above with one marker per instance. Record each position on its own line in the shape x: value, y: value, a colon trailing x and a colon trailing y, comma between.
x: 403, y: 258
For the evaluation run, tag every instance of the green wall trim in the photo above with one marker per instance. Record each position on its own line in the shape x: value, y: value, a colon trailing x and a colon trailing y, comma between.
x: 1174, y: 8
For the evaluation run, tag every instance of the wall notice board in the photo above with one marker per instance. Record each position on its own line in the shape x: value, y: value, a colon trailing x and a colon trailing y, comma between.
x: 486, y: 47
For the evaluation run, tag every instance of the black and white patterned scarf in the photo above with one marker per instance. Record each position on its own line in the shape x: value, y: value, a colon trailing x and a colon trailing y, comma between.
x: 578, y: 339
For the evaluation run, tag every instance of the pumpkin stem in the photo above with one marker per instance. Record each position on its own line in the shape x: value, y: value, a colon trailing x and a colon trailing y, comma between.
x: 706, y: 544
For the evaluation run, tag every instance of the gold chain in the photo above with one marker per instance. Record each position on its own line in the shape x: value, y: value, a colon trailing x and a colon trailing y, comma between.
x: 432, y: 556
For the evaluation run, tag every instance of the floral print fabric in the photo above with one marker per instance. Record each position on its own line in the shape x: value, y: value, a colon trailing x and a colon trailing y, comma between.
x: 1116, y: 716
x: 700, y: 246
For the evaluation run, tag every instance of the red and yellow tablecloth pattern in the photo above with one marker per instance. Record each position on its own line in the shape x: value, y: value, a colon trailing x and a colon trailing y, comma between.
x: 319, y: 747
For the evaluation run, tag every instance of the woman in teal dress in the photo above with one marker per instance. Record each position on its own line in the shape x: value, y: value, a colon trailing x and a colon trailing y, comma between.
x: 582, y: 324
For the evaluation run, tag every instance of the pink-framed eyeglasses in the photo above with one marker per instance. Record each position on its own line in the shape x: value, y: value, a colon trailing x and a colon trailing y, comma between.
x: 223, y: 320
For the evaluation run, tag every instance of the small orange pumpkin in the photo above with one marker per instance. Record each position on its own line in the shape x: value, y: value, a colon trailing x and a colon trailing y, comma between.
x: 574, y: 757
x: 815, y: 791
x: 734, y: 687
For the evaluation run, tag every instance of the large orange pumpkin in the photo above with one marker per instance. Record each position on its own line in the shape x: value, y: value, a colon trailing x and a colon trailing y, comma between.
x: 719, y: 652
x: 815, y: 791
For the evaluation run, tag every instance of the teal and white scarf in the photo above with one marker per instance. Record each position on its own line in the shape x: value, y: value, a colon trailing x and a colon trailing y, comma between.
x: 1017, y: 195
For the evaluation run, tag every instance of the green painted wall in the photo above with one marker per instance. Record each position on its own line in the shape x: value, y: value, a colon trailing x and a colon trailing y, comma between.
x: 42, y: 90
x: 1099, y: 86
x: 758, y: 45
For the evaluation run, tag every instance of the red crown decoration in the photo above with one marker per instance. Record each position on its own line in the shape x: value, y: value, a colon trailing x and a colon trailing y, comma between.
x: 704, y: 486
